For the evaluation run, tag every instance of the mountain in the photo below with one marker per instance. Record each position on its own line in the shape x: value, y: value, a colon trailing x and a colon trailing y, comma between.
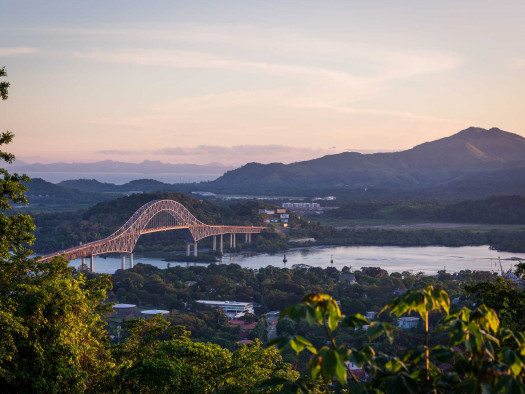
x: 42, y: 193
x: 110, y: 166
x: 472, y: 153
x: 139, y: 185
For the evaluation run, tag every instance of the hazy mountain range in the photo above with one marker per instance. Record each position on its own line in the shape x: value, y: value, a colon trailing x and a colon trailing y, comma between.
x: 110, y: 166
x: 471, y: 156
x: 474, y: 163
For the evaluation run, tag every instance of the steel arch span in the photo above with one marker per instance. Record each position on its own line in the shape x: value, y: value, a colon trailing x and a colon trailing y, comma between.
x: 158, y: 215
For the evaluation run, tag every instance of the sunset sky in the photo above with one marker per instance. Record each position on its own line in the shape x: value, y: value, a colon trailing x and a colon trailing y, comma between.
x: 240, y: 81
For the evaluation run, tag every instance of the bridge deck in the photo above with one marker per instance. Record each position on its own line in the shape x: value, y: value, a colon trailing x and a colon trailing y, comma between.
x: 158, y: 215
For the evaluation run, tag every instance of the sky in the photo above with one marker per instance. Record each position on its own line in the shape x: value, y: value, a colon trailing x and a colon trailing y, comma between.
x: 266, y: 81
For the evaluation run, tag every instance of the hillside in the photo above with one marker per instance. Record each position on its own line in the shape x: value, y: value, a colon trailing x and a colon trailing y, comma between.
x: 493, y: 210
x: 92, y: 185
x: 66, y: 229
x: 43, y: 193
x: 473, y: 152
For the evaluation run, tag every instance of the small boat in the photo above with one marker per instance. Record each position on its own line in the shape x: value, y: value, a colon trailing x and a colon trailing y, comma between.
x: 331, y: 259
x: 284, y: 259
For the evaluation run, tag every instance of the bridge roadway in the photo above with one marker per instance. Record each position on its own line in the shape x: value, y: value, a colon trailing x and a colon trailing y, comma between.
x: 158, y: 215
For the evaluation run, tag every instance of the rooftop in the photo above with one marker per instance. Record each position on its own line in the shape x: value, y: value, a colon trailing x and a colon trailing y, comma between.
x: 224, y: 303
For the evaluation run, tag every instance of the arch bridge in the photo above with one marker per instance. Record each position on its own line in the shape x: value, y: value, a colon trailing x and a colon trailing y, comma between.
x: 158, y: 215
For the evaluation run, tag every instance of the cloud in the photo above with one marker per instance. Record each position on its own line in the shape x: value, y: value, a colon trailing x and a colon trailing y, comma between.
x: 190, y: 59
x: 116, y: 152
x: 248, y: 150
x: 516, y: 63
x: 16, y: 51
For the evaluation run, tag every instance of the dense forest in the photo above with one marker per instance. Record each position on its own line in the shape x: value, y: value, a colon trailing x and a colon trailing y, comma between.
x: 494, y: 210
x: 57, y: 231
x: 62, y: 230
x: 272, y: 289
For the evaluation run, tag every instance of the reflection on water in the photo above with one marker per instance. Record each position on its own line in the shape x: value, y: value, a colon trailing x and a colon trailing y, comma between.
x: 428, y: 259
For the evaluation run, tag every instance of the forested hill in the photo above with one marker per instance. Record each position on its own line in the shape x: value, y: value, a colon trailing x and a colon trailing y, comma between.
x: 493, y: 210
x: 62, y: 230
x: 92, y: 185
x: 470, y: 152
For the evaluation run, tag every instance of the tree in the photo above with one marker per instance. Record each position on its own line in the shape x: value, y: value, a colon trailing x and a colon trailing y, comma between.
x: 52, y: 337
x: 157, y: 358
x: 479, y: 354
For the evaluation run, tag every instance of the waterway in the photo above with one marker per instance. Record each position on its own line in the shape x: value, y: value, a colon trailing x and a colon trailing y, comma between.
x: 427, y: 259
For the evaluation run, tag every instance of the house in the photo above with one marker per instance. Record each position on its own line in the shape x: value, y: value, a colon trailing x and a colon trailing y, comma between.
x: 125, y: 309
x: 245, y: 327
x: 152, y: 312
x: 350, y: 278
x: 408, y: 322
x: 231, y: 308
x: 370, y: 315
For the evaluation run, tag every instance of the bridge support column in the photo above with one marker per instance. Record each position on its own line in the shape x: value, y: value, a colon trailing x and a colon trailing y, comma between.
x: 214, y: 242
x: 222, y: 249
x: 234, y: 241
x: 123, y: 261
x: 231, y: 240
x: 188, y: 249
x: 249, y: 237
x: 83, y: 263
x: 131, y: 260
x: 195, y: 249
x: 92, y: 265
x: 246, y: 237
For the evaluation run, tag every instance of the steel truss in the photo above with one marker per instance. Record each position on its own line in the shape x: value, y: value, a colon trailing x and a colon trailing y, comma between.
x: 158, y: 215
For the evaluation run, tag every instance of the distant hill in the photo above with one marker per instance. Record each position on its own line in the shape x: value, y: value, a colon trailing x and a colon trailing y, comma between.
x: 468, y: 157
x: 140, y: 185
x: 110, y: 166
x: 40, y: 192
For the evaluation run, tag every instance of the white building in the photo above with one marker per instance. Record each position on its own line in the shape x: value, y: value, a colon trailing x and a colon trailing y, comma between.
x: 153, y: 312
x: 408, y: 322
x: 231, y: 308
x: 371, y: 315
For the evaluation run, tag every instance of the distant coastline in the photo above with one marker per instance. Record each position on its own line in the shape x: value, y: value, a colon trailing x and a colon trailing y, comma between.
x: 120, y: 178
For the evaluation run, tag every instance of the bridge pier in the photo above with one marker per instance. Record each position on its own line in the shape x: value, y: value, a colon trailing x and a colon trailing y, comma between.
x: 188, y: 249
x: 83, y: 263
x: 92, y: 265
x: 245, y: 237
x: 178, y: 217
x: 195, y: 249
x: 250, y: 238
x: 131, y: 260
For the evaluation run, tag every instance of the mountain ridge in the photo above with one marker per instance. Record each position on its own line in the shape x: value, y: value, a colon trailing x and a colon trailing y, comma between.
x: 109, y: 166
x: 470, y: 151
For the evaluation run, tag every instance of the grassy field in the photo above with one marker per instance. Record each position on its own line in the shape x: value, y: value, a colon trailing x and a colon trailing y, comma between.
x: 413, y: 224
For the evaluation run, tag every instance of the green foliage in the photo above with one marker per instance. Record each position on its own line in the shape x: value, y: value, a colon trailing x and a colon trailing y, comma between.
x: 507, y: 298
x: 495, y: 210
x: 3, y: 85
x: 512, y: 241
x: 156, y: 358
x: 52, y: 337
x: 480, y: 354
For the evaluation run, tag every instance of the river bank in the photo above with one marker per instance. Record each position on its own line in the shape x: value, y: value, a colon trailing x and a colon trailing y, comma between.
x: 429, y: 259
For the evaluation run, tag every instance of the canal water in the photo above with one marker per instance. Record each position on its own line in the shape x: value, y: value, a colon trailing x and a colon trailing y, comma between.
x: 427, y: 259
